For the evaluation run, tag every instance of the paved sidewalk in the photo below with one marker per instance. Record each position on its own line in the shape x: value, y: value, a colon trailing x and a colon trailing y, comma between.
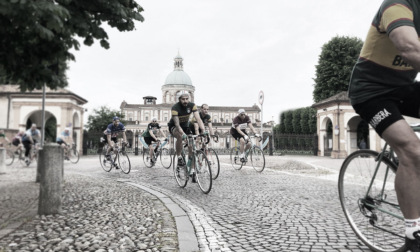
x: 98, y: 215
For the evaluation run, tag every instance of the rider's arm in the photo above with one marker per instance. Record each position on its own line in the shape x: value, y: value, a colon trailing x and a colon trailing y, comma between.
x: 124, y: 137
x: 196, y: 127
x: 108, y: 138
x: 406, y: 40
x: 210, y: 128
x: 238, y: 128
x: 176, y: 122
x: 252, y: 128
x: 198, y: 120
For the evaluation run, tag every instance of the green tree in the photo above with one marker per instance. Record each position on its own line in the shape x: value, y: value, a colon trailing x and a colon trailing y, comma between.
x: 36, y: 36
x: 304, y: 119
x: 297, y: 129
x: 288, y: 122
x: 335, y: 64
x: 312, y: 120
x: 281, y: 124
x: 101, y: 118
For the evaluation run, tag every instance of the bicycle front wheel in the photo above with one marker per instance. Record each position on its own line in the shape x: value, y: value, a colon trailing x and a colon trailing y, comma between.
x: 10, y: 157
x: 146, y: 158
x: 124, y: 162
x: 165, y: 158
x: 369, y: 201
x: 214, y: 162
x: 180, y: 173
x: 257, y: 159
x: 106, y: 164
x: 235, y: 160
x: 74, y: 156
x: 203, y: 172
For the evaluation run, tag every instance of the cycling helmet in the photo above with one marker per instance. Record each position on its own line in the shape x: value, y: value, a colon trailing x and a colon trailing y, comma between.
x: 115, y: 118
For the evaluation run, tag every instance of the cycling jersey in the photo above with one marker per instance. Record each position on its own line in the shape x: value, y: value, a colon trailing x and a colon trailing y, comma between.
x: 63, y: 135
x: 154, y: 127
x: 380, y: 68
x: 114, y: 130
x: 205, y: 118
x: 242, y: 123
x: 183, y: 113
x: 35, y: 134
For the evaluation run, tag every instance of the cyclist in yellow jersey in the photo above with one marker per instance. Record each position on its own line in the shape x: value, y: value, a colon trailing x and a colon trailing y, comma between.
x: 383, y: 88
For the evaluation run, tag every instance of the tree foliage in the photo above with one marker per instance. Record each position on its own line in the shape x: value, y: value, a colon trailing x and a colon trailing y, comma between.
x: 36, y: 36
x: 297, y: 121
x: 335, y: 64
x: 101, y: 118
x: 296, y: 117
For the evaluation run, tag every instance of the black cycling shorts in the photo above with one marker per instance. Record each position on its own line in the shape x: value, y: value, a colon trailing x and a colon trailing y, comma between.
x: 149, y: 140
x: 381, y: 112
x: 185, y: 129
x: 114, y: 139
x: 236, y: 135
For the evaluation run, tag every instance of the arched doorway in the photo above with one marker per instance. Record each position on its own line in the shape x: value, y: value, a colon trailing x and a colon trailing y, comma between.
x: 326, y: 145
x: 357, y: 130
x: 50, y: 124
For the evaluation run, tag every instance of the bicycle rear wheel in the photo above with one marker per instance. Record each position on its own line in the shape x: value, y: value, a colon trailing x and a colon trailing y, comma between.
x: 203, y: 172
x: 106, y: 164
x: 364, y: 208
x: 180, y: 173
x: 257, y: 159
x: 214, y: 162
x: 165, y: 158
x: 124, y: 162
x: 146, y: 158
x: 235, y: 160
x: 74, y: 156
x: 10, y: 157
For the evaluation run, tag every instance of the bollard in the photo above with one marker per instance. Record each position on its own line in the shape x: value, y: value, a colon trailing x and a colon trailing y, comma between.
x: 50, y: 165
x: 2, y: 160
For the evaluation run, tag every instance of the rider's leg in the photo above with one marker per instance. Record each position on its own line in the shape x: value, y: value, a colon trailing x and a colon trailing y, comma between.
x: 242, y: 146
x: 151, y: 151
x: 406, y: 145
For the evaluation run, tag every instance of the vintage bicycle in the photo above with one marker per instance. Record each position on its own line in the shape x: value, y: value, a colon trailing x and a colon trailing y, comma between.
x: 198, y: 168
x: 163, y: 153
x: 118, y: 159
x: 71, y: 154
x: 212, y: 157
x: 255, y: 154
x: 33, y: 155
x: 369, y: 200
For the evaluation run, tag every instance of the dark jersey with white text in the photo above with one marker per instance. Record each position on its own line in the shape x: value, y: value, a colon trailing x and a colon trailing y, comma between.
x: 183, y: 113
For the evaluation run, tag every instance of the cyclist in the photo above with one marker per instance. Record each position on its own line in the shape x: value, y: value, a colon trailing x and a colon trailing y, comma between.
x: 111, y: 134
x: 150, y: 135
x: 3, y: 138
x: 205, y: 118
x: 17, y: 141
x: 179, y: 123
x: 383, y: 87
x: 65, y: 140
x: 31, y: 136
x: 238, y: 131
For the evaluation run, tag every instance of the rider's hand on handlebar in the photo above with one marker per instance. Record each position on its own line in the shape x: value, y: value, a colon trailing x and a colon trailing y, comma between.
x: 246, y: 137
x: 257, y: 135
x: 215, y: 139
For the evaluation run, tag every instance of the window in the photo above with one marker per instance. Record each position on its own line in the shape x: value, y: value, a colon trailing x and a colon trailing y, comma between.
x: 215, y: 120
x: 227, y: 120
x: 166, y: 119
x: 146, y: 118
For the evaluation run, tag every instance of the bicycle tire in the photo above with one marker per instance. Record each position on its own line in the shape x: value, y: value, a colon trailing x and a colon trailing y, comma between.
x: 257, y: 158
x: 105, y: 164
x: 214, y: 162
x: 203, y: 172
x: 180, y: 173
x: 74, y: 158
x: 235, y: 159
x: 21, y: 157
x: 165, y: 158
x: 356, y: 174
x: 10, y: 157
x: 146, y: 158
x: 124, y: 162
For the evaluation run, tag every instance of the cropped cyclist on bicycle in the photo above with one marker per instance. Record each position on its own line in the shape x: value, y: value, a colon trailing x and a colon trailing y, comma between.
x: 150, y: 136
x: 65, y: 140
x: 206, y: 119
x: 383, y: 88
x: 179, y: 123
x: 30, y: 137
x: 238, y: 131
x: 111, y: 134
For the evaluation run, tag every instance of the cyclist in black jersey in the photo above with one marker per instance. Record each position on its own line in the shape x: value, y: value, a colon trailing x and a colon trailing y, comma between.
x: 179, y: 123
x: 206, y: 119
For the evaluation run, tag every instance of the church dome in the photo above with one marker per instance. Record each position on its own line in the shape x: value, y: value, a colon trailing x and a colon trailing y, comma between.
x: 178, y: 76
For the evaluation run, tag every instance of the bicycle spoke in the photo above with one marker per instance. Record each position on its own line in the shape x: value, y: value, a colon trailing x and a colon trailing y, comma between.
x: 165, y: 158
x: 180, y: 173
x: 370, y: 202
x: 235, y: 159
x: 203, y: 172
x: 214, y: 162
x: 124, y: 162
x: 106, y: 164
x: 257, y: 159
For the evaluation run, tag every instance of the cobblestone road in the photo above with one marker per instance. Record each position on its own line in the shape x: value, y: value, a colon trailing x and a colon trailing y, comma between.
x: 291, y: 206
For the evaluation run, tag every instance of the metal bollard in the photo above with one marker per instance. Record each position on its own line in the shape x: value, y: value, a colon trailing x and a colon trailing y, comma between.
x: 50, y: 165
x: 2, y: 160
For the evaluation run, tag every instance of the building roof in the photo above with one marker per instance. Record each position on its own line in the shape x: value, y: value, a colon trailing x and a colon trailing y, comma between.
x: 341, y: 97
x: 125, y: 105
x: 14, y: 90
x: 178, y: 77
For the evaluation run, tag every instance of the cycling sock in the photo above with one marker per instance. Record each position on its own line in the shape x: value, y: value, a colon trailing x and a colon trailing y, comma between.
x: 179, y: 156
x: 242, y: 155
x: 411, y: 226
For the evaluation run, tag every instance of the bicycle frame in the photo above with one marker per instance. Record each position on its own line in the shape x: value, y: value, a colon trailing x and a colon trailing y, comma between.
x: 380, y: 157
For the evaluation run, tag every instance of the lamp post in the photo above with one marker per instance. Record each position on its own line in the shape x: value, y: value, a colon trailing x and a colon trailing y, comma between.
x: 261, y: 100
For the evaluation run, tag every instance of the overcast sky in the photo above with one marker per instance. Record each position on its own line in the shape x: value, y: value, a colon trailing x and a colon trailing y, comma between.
x: 232, y: 49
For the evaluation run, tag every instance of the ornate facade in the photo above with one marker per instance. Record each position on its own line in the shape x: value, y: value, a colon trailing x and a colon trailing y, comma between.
x: 176, y: 83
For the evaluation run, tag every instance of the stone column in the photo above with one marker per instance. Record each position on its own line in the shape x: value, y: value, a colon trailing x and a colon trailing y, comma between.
x: 2, y: 160
x: 50, y: 164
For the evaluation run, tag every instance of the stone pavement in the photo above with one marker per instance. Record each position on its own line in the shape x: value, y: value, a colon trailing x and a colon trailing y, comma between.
x: 291, y: 206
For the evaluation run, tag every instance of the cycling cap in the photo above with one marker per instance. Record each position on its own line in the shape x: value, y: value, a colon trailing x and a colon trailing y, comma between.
x: 154, y: 119
x: 241, y: 111
x: 115, y: 118
x: 67, y: 129
x: 183, y: 95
